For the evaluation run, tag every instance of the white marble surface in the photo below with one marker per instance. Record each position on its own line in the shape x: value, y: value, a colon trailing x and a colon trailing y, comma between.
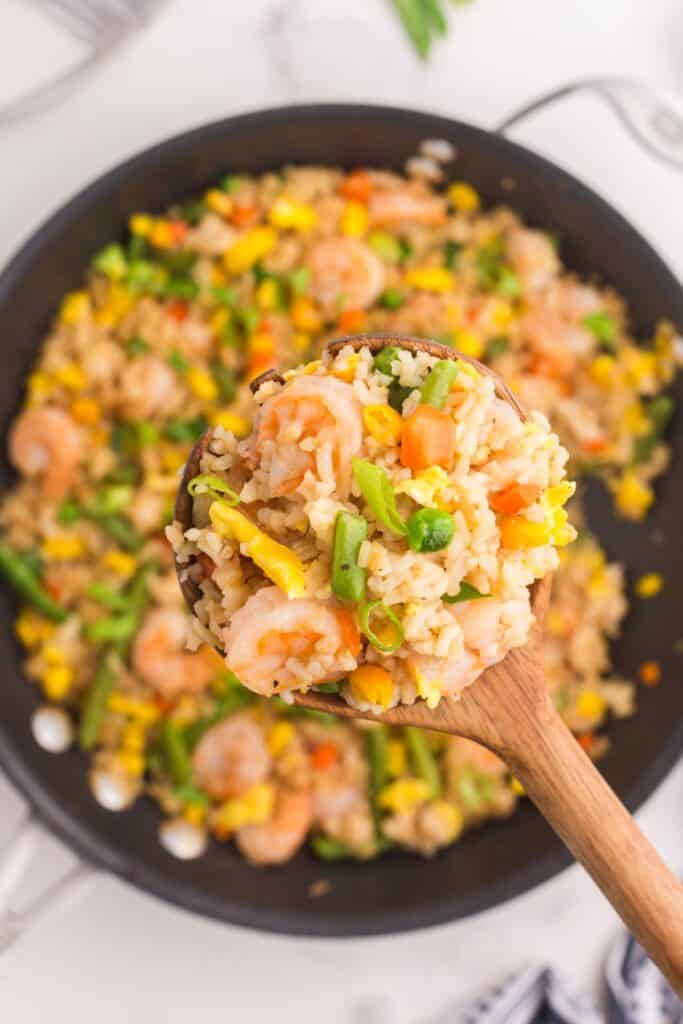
x: 116, y: 954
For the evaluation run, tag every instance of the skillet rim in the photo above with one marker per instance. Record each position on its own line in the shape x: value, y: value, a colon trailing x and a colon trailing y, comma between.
x: 84, y: 838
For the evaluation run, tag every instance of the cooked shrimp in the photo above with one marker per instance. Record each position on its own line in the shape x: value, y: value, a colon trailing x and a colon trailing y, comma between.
x: 275, y: 644
x: 450, y: 674
x: 555, y: 344
x: 231, y: 757
x: 480, y: 622
x: 533, y: 256
x: 45, y: 441
x: 160, y: 658
x: 278, y: 840
x: 401, y: 206
x: 296, y: 427
x: 147, y: 386
x: 346, y: 274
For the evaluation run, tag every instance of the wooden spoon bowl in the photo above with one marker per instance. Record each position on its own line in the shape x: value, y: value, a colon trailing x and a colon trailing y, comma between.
x: 509, y: 710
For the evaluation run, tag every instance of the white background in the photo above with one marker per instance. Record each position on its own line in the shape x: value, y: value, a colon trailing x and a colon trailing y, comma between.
x: 114, y: 954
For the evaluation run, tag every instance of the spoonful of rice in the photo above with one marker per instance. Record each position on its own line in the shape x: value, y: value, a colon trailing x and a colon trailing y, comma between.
x: 381, y: 546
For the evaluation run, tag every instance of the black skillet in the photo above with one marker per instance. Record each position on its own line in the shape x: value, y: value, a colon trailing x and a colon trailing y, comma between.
x: 500, y: 860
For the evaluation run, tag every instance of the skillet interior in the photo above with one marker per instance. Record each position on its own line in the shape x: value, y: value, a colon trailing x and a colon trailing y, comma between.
x: 499, y: 860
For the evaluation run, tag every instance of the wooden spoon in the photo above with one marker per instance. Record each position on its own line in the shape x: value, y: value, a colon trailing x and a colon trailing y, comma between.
x: 509, y: 710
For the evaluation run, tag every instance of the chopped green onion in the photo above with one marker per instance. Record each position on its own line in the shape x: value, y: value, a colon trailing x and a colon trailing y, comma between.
x: 111, y: 261
x: 69, y: 512
x: 496, y: 347
x: 180, y: 288
x: 385, y: 359
x: 392, y: 298
x: 185, y: 430
x: 215, y: 486
x: 438, y: 383
x: 365, y: 614
x: 136, y: 347
x: 178, y: 362
x: 224, y: 296
x: 466, y: 593
x: 386, y: 246
x: 348, y: 579
x: 602, y: 327
x: 376, y: 488
x: 430, y: 529
x: 299, y: 279
x: 451, y: 251
x: 225, y: 381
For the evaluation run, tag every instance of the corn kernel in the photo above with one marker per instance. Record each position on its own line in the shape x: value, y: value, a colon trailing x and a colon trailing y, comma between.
x: 470, y: 344
x: 305, y: 316
x: 591, y: 704
x: 118, y: 302
x: 555, y: 623
x: 202, y: 384
x: 641, y: 366
x: 632, y: 496
x: 403, y: 795
x: 71, y: 376
x: 140, y: 224
x: 430, y: 279
x: 120, y: 562
x: 218, y: 201
x: 289, y: 213
x: 517, y: 787
x: 451, y: 818
x: 252, y: 246
x: 219, y: 321
x: 172, y: 458
x: 85, y: 410
x: 348, y: 371
x: 75, y: 306
x: 649, y: 585
x: 635, y: 420
x: 56, y: 681
x: 372, y: 684
x: 133, y: 738
x: 161, y: 235
x: 383, y: 423
x: 302, y: 341
x: 229, y: 420
x: 131, y: 763
x: 279, y: 738
x: 602, y: 370
x: 40, y: 385
x: 194, y: 813
x: 464, y: 198
x: 53, y: 655
x: 502, y: 314
x: 143, y: 711
x: 268, y: 295
x: 62, y: 548
x: 254, y: 808
x: 397, y: 758
x: 517, y: 532
x: 32, y: 629
x: 354, y: 220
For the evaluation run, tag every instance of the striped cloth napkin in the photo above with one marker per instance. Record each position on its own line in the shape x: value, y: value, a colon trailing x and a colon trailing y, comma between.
x: 636, y: 994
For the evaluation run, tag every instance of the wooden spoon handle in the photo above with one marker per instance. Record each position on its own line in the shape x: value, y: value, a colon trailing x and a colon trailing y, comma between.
x: 578, y: 803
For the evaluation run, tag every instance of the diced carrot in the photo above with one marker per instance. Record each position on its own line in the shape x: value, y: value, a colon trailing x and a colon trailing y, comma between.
x: 208, y: 565
x: 514, y: 498
x: 323, y: 756
x: 178, y: 229
x: 586, y: 740
x: 349, y: 631
x: 595, y: 445
x: 428, y: 439
x: 259, y: 363
x: 357, y: 186
x: 351, y: 320
x: 178, y: 310
x: 244, y: 214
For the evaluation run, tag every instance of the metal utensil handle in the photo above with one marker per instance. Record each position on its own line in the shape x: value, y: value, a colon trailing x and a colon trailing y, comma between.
x: 653, y: 118
x: 21, y: 850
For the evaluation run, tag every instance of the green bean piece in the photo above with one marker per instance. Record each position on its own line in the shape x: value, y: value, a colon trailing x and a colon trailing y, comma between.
x: 330, y: 850
x: 376, y: 488
x: 180, y: 288
x: 423, y: 760
x: 437, y: 385
x: 659, y: 411
x: 385, y: 359
x: 377, y: 748
x: 185, y: 431
x: 348, y: 579
x: 118, y: 630
x: 113, y: 628
x: 25, y: 581
x: 226, y: 381
x: 430, y: 529
x: 110, y: 500
x: 174, y: 746
x: 95, y: 703
x: 451, y: 251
